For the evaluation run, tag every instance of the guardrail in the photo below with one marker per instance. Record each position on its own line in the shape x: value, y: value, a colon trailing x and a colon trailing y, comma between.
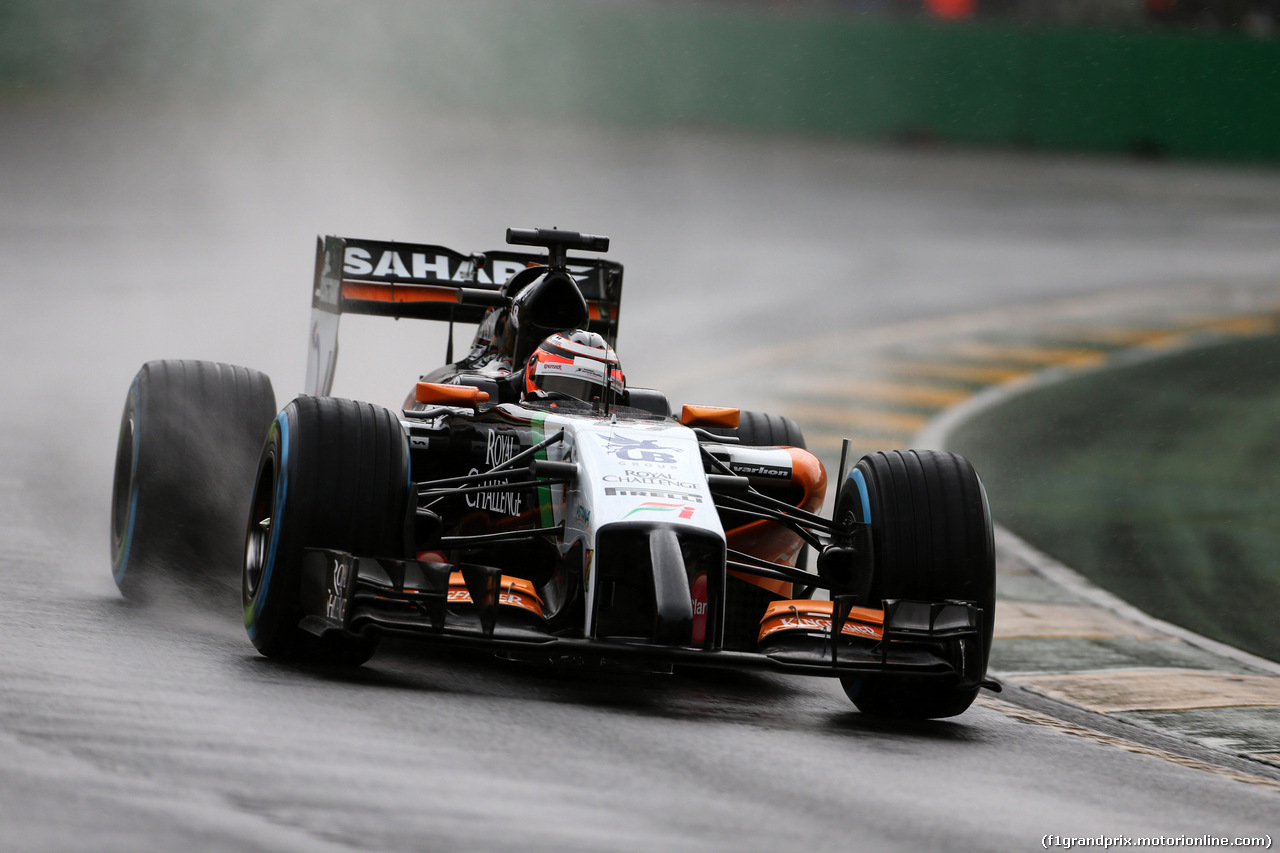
x: 1145, y: 92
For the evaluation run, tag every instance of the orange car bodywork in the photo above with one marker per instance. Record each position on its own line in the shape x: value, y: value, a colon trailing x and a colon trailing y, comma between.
x: 769, y: 540
x: 810, y: 615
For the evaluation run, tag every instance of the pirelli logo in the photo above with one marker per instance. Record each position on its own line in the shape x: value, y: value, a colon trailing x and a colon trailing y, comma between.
x: 653, y: 493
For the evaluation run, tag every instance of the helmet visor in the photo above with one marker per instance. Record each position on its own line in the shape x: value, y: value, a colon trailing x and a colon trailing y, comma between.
x: 577, y: 376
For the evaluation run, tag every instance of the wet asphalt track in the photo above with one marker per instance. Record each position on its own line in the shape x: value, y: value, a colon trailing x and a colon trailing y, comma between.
x: 133, y: 231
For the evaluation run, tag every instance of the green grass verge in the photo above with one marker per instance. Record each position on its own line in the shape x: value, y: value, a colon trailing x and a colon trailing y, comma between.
x: 1158, y: 481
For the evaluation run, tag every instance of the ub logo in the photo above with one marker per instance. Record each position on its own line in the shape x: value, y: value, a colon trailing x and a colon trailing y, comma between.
x: 640, y: 450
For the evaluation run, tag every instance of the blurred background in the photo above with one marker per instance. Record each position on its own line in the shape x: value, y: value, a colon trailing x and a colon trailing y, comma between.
x: 1184, y: 78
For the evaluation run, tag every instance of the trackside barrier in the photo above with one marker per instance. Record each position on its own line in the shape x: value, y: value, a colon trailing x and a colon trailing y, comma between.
x: 1138, y: 91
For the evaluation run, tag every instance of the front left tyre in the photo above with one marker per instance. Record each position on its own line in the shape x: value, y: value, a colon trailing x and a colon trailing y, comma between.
x: 189, y: 441
x: 931, y: 525
x: 333, y: 474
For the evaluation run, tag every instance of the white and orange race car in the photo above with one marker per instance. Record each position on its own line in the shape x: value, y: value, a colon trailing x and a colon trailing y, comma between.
x: 525, y: 500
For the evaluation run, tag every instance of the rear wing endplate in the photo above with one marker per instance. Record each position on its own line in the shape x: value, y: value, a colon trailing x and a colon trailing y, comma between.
x: 425, y: 282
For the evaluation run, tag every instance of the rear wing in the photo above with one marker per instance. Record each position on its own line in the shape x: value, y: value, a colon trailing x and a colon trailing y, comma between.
x: 428, y: 282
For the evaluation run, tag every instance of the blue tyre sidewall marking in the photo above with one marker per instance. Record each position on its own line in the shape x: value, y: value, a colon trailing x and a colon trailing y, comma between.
x: 126, y: 544
x: 853, y: 686
x: 255, y: 607
x: 861, y: 483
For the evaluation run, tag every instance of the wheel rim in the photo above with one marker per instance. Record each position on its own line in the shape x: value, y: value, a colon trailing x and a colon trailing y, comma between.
x: 122, y: 492
x: 261, y: 521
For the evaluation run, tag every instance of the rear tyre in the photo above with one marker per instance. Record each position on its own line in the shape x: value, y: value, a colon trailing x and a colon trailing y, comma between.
x: 189, y: 441
x: 333, y: 474
x: 745, y: 602
x: 931, y: 529
x: 762, y: 429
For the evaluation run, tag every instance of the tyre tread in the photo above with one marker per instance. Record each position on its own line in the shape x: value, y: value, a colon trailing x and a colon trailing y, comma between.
x: 932, y: 531
x: 347, y: 473
x: 186, y: 502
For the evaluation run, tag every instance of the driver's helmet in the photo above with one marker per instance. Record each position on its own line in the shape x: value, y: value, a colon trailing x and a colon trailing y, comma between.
x: 578, y: 364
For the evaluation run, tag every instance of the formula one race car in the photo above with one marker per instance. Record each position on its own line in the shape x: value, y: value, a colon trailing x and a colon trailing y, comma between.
x: 526, y: 500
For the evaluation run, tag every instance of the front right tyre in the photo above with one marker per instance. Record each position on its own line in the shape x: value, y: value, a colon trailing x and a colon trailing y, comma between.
x: 333, y: 474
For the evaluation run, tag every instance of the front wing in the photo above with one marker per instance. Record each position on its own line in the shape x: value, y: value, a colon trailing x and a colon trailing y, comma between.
x: 478, y: 607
